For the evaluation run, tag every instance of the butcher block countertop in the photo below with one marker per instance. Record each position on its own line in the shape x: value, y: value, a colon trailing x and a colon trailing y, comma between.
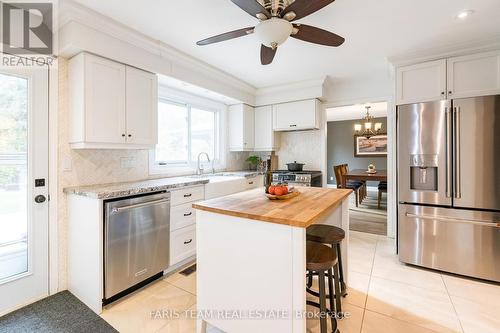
x: 300, y: 211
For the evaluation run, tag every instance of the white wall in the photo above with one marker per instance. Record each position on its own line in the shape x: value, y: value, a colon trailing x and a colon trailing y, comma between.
x: 368, y: 88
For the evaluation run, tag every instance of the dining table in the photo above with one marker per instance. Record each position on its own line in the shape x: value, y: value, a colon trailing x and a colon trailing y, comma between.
x: 364, y: 175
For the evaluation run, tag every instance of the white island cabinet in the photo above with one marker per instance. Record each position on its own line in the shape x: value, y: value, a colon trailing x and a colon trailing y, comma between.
x: 251, y: 257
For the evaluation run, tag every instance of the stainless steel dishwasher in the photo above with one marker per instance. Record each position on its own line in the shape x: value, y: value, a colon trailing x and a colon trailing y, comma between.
x: 136, y: 242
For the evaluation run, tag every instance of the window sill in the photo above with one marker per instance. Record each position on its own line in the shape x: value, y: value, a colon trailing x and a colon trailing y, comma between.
x: 177, y: 171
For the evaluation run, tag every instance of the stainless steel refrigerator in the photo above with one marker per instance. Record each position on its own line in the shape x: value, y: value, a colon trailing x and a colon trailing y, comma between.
x: 449, y: 186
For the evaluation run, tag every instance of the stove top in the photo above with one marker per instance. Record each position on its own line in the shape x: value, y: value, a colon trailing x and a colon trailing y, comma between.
x: 305, y: 172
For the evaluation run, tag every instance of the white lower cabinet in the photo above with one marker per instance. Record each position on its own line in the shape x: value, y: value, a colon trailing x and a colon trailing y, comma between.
x: 182, y: 244
x: 182, y: 216
x: 254, y: 182
x: 183, y: 222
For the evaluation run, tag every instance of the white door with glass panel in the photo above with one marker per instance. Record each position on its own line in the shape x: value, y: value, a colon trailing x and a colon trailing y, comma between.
x: 23, y: 202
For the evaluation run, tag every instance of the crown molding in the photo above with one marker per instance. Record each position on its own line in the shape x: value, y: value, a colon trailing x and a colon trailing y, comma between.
x: 70, y: 12
x: 307, y: 89
x: 452, y: 50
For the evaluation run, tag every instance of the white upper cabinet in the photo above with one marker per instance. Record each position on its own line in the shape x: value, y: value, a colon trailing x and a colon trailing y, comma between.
x: 241, y: 127
x: 111, y: 105
x: 459, y: 77
x: 142, y: 107
x: 265, y: 137
x: 421, y: 83
x: 474, y: 75
x: 301, y: 115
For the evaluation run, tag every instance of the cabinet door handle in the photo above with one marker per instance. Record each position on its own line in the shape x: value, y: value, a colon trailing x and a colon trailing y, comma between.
x: 188, y: 214
x: 187, y: 195
x: 123, y: 135
x: 449, y: 92
x: 130, y: 135
x: 250, y: 183
x: 442, y: 93
x: 189, y: 241
x: 293, y: 125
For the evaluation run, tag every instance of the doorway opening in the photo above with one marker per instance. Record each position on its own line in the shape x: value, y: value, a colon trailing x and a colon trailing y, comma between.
x: 358, y: 160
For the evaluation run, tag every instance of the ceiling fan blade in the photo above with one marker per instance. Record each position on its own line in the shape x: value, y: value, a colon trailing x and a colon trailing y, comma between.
x: 252, y: 7
x: 302, y: 8
x: 316, y: 35
x: 226, y: 36
x: 267, y: 54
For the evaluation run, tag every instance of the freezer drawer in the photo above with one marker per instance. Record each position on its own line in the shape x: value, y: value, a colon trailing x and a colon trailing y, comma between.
x: 457, y: 241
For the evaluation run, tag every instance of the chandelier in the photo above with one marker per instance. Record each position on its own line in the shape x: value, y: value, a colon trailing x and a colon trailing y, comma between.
x: 370, y: 129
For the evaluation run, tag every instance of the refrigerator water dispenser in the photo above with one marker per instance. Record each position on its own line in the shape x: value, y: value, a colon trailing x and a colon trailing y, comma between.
x: 424, y: 172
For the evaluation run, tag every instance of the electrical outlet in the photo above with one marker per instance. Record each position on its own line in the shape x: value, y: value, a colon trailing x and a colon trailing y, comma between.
x: 128, y: 162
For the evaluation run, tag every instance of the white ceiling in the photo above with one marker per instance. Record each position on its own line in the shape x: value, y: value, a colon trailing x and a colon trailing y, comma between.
x: 373, y: 30
x: 356, y: 111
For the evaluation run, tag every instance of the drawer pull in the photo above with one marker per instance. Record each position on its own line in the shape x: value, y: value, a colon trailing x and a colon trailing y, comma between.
x: 293, y: 125
x: 189, y: 241
x: 187, y: 195
x: 250, y: 183
x: 188, y: 214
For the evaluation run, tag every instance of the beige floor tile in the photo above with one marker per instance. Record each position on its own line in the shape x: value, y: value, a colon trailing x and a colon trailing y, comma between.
x: 135, y: 313
x: 390, y: 268
x: 173, y: 277
x: 474, y: 290
x: 476, y: 317
x: 361, y: 260
x: 350, y: 324
x: 364, y: 240
x: 386, y: 246
x: 187, y: 283
x: 377, y: 323
x: 357, y: 289
x: 426, y: 308
x: 185, y: 324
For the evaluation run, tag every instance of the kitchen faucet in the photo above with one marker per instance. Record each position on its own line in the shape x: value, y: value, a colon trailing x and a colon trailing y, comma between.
x: 199, y: 169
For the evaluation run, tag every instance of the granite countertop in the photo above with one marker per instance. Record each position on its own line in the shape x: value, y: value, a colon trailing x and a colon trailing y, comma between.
x: 116, y: 190
x: 301, y: 211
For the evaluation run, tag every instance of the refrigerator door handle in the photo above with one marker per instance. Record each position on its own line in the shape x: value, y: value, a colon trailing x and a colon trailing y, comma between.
x: 485, y: 223
x: 458, y: 174
x: 449, y: 163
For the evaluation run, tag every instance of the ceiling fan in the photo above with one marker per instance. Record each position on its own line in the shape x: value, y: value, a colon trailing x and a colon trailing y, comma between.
x: 275, y: 25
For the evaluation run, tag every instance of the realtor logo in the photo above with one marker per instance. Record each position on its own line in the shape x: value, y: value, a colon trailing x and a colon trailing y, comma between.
x: 27, y: 28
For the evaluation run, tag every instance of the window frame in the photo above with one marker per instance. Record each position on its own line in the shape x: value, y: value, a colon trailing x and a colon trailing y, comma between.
x: 171, y: 96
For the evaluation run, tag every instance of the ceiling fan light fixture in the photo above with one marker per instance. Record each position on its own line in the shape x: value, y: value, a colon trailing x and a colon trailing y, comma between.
x: 273, y: 32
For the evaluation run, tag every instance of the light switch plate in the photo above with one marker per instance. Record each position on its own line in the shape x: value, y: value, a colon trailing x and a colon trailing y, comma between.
x: 67, y: 164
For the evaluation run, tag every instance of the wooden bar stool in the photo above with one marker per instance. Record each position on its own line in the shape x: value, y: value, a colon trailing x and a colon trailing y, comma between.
x: 321, y: 259
x: 333, y: 236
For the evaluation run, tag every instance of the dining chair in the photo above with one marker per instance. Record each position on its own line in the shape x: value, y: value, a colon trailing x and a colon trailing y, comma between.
x: 382, y: 188
x: 355, y: 186
x: 363, y: 191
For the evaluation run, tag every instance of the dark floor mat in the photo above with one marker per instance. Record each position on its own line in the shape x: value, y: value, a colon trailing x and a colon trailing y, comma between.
x: 61, y: 312
x: 188, y: 271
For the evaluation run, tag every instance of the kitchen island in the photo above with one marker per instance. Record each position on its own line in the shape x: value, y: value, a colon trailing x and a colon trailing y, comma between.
x: 251, y: 257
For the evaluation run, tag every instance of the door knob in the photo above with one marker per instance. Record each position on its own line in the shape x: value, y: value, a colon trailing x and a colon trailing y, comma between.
x: 40, y: 198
